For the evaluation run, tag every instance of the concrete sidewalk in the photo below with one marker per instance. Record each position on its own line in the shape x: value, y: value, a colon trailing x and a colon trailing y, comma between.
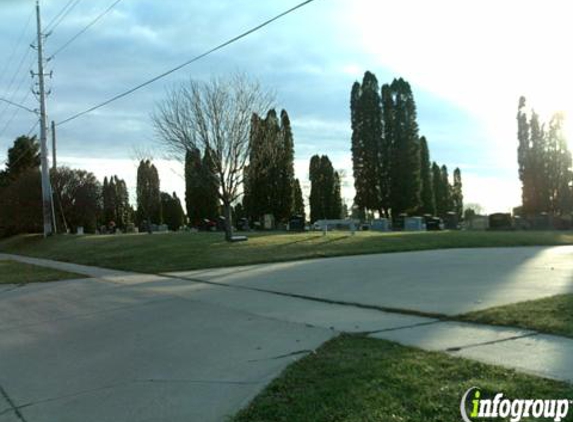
x: 135, y: 347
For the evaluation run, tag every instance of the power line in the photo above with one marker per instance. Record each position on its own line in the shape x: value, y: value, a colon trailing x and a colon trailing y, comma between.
x: 196, y: 58
x: 88, y: 26
x: 59, y: 13
x: 17, y: 105
x: 13, y: 53
x: 14, y: 114
x: 57, y: 20
x: 13, y: 79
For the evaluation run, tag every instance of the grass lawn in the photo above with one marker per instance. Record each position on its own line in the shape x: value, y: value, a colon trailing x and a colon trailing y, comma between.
x: 553, y: 315
x: 187, y: 251
x: 357, y: 379
x: 17, y: 273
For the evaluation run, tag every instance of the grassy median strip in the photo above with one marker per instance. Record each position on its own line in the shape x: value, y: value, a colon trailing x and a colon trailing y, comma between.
x: 12, y: 272
x: 553, y: 315
x: 354, y: 378
x: 188, y: 251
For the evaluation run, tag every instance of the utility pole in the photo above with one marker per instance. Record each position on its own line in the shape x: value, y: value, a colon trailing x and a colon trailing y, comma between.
x: 46, y: 188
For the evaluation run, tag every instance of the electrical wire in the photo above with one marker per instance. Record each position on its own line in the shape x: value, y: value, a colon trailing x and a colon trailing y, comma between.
x: 17, y: 105
x: 62, y: 15
x: 194, y: 59
x: 16, y: 46
x: 88, y: 26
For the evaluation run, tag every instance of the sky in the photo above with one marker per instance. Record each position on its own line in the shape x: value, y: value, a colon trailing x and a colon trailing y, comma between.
x: 468, y: 64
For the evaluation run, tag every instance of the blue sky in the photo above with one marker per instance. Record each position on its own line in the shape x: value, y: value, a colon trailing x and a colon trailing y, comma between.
x: 467, y: 64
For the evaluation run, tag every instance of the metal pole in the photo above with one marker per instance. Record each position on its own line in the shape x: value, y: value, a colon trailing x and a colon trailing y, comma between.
x: 46, y: 189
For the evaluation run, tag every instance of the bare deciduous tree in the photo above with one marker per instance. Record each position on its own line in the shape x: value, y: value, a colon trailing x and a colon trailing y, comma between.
x: 214, y: 116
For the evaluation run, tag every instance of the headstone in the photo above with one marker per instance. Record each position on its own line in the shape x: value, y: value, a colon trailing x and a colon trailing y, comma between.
x: 500, y: 221
x: 80, y: 230
x: 380, y: 225
x: 477, y: 222
x: 414, y: 224
x: 268, y: 222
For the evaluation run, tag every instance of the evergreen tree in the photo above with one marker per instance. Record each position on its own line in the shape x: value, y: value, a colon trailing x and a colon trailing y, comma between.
x: 193, y: 186
x: 285, y: 163
x: 116, y: 206
x: 386, y: 151
x: 298, y: 200
x: 325, y: 198
x: 535, y: 169
x: 446, y: 190
x: 148, y: 194
x: 559, y: 168
x: 172, y: 211
x: 405, y: 150
x: 336, y: 207
x: 526, y: 171
x: 427, y: 197
x: 316, y: 182
x: 440, y: 191
x: 457, y: 195
x: 366, y: 116
x: 201, y: 187
x: 210, y: 203
x: 269, y: 177
x: 24, y: 155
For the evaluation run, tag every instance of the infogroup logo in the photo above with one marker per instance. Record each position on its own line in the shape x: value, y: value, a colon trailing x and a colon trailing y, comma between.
x: 516, y: 410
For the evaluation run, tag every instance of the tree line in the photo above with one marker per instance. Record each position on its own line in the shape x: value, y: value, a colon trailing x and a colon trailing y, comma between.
x: 393, y: 174
x: 80, y: 200
x: 545, y: 165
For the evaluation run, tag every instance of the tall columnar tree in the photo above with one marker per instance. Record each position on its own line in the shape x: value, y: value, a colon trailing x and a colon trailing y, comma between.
x: 544, y: 164
x: 172, y: 211
x: 193, y: 187
x: 441, y: 190
x: 447, y: 189
x: 148, y: 194
x: 269, y: 177
x: 116, y: 206
x: 428, y: 200
x: 315, y: 200
x: 535, y: 171
x: 559, y: 167
x: 298, y: 200
x: 201, y: 187
x: 285, y: 182
x: 325, y: 199
x: 367, y: 139
x: 405, y: 176
x: 457, y: 195
x: 524, y: 159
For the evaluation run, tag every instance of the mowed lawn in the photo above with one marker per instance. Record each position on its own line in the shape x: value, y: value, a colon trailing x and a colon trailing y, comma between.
x: 553, y: 315
x: 354, y: 378
x: 187, y: 251
x: 12, y: 272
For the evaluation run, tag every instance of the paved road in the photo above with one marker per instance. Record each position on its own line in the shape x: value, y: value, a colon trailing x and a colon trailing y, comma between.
x: 133, y: 347
x: 443, y: 281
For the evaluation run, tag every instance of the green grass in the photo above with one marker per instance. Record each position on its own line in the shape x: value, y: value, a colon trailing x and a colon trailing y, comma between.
x: 553, y: 315
x: 187, y: 251
x: 12, y: 272
x: 357, y: 379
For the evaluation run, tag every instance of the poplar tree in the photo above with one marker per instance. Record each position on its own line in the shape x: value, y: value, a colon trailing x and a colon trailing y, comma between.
x: 457, y: 196
x: 428, y: 200
x: 298, y: 200
x: 405, y: 149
